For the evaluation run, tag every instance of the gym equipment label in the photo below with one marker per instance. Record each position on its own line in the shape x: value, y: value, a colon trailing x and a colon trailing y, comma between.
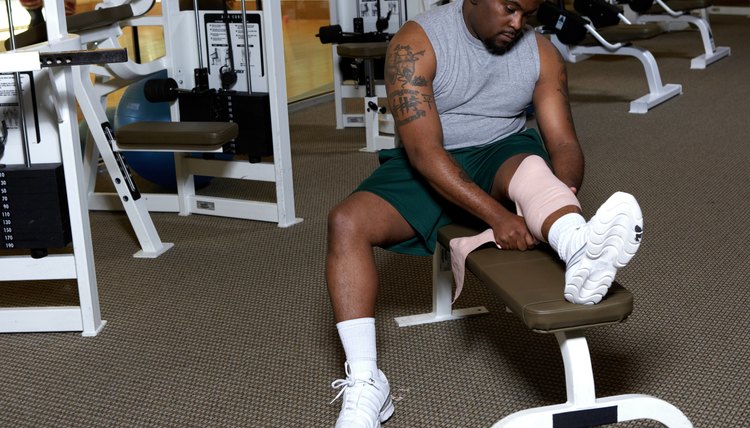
x: 220, y: 30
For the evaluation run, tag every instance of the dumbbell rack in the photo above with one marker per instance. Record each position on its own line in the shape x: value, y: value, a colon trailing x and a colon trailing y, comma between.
x: 56, y: 58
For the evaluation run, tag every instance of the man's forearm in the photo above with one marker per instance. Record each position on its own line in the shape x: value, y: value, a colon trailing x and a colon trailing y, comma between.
x: 450, y: 180
x: 568, y: 165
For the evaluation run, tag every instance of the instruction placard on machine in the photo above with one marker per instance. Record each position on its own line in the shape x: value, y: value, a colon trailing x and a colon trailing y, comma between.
x: 218, y: 54
x: 10, y: 114
x: 368, y: 11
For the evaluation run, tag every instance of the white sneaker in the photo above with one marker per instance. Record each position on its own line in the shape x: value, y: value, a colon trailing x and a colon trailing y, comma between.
x: 367, y: 399
x: 612, y: 237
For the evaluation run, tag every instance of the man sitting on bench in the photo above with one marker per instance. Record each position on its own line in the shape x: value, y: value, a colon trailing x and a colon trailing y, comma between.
x: 459, y: 79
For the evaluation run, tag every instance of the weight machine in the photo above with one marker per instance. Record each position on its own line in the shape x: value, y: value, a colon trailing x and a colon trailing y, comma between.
x: 359, y: 33
x: 42, y: 190
x: 195, y: 102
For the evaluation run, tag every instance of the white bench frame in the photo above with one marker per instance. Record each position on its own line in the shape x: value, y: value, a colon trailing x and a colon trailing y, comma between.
x: 711, y: 54
x: 658, y: 92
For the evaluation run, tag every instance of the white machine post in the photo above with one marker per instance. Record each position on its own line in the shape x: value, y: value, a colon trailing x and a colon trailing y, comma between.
x: 442, y: 295
x: 279, y: 114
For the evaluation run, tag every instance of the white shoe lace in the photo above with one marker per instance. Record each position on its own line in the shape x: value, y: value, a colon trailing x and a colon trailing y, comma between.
x: 349, y: 382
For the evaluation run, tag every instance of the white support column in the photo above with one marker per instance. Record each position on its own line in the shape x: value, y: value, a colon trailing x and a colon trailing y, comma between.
x: 282, y: 155
x: 442, y: 295
x: 76, y: 188
x: 582, y: 404
x: 136, y: 209
x: 375, y: 140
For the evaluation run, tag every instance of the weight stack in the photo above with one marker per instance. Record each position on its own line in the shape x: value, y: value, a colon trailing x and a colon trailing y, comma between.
x: 251, y: 112
x: 33, y: 207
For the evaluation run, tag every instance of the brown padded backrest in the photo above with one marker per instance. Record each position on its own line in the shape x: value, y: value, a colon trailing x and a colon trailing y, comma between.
x: 98, y: 18
x: 531, y: 284
x: 76, y: 23
x: 681, y: 6
x: 178, y: 136
x: 362, y: 50
x: 624, y: 33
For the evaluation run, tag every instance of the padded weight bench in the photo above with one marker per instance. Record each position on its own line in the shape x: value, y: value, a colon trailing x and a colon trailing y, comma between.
x: 176, y: 136
x: 530, y: 283
x: 367, y: 53
x: 679, y: 11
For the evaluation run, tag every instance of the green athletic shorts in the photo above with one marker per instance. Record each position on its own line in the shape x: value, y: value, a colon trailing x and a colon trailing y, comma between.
x: 425, y: 210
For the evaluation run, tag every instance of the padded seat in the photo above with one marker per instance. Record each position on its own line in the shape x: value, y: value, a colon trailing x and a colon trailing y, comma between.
x: 624, y: 33
x: 76, y: 23
x: 176, y: 136
x: 530, y: 284
x: 373, y: 50
x: 681, y: 6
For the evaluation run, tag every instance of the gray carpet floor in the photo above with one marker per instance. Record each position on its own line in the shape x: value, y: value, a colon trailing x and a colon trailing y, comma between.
x: 233, y: 328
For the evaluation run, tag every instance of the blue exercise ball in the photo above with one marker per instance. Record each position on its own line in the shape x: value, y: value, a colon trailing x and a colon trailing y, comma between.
x: 156, y: 167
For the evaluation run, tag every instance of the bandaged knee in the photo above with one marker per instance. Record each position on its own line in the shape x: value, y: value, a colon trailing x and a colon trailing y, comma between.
x: 538, y: 193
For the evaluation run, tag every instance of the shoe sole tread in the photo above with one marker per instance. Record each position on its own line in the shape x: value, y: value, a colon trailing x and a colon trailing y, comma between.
x: 611, y: 244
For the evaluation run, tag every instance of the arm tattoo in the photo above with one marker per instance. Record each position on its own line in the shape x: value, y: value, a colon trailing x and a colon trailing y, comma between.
x: 401, y: 65
x: 409, y: 102
x: 408, y: 105
x: 563, y: 77
x: 462, y: 174
x: 562, y: 86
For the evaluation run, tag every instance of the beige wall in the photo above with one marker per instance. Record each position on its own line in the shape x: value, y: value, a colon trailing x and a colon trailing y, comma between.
x: 305, y: 9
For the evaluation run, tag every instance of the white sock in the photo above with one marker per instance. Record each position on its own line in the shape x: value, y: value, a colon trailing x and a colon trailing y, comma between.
x: 563, y: 237
x: 358, y: 338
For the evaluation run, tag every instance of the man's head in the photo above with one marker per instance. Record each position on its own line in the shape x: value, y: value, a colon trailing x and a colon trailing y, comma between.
x: 498, y: 23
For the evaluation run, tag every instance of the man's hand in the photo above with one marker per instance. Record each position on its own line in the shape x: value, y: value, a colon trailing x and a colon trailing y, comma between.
x: 512, y: 234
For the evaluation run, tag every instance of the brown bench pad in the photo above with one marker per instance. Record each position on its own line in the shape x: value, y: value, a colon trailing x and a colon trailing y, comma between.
x: 624, y: 33
x: 177, y: 136
x: 372, y: 50
x: 76, y: 23
x: 681, y: 6
x: 531, y: 284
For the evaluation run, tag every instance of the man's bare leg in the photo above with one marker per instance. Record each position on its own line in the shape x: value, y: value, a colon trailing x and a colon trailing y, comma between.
x: 355, y: 226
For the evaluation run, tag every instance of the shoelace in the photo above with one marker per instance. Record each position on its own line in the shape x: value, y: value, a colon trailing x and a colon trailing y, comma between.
x: 343, y: 384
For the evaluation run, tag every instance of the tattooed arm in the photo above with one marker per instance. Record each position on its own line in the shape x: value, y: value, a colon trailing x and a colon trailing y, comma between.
x: 409, y: 71
x: 554, y: 118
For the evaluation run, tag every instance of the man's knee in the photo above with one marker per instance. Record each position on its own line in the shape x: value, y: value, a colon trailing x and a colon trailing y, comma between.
x: 341, y: 221
x: 350, y: 218
x: 539, y: 194
x: 367, y: 218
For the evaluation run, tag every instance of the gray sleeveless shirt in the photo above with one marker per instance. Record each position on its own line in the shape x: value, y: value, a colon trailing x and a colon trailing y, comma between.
x: 480, y: 97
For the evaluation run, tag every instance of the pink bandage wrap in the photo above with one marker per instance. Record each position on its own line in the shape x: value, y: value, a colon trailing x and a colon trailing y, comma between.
x: 538, y: 193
